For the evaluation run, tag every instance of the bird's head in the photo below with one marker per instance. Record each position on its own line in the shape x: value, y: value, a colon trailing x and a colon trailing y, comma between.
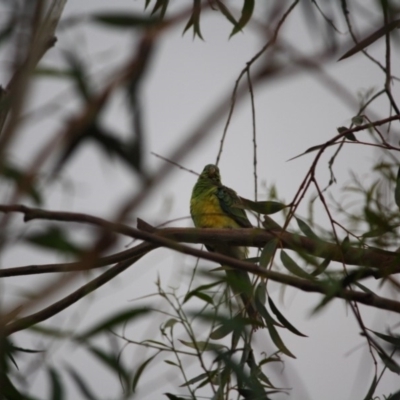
x: 211, y: 171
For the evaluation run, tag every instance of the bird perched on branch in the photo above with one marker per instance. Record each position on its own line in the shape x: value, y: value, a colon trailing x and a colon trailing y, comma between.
x: 213, y: 205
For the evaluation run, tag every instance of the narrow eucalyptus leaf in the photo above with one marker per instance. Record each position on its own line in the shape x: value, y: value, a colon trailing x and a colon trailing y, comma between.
x: 371, y: 389
x: 111, y: 361
x: 306, y: 229
x: 123, y: 20
x: 309, y: 150
x: 261, y: 292
x: 278, y: 341
x: 389, y: 362
x: 139, y: 372
x: 321, y: 267
x: 221, y: 331
x: 196, y: 379
x: 262, y: 207
x: 267, y: 252
x: 174, y: 397
x: 202, y: 346
x: 293, y: 267
x: 373, y: 37
x: 171, y: 363
x: 225, y: 11
x: 81, y: 384
x: 394, y: 396
x: 57, y: 391
x: 198, y: 292
x: 54, y: 238
x: 397, y: 189
x: 247, y: 12
x: 345, y: 244
x: 394, y: 340
x: 377, y: 232
x: 114, y: 320
x: 283, y: 320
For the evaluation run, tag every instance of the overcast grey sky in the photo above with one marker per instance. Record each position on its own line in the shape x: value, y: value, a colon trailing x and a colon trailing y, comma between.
x: 187, y: 78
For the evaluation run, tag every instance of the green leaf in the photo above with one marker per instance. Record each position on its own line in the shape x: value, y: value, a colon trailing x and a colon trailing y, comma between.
x: 202, y: 296
x: 194, y: 20
x: 361, y: 45
x: 50, y: 72
x: 7, y: 29
x: 394, y: 340
x: 321, y: 267
x: 377, y: 232
x: 267, y: 252
x: 371, y: 389
x: 364, y: 288
x: 10, y: 392
x: 170, y: 323
x: 293, y: 267
x: 283, y: 320
x: 52, y: 332
x: 123, y: 20
x: 198, y: 378
x: 57, y: 392
x: 12, y: 173
x: 306, y: 229
x: 162, y: 6
x: 331, y: 288
x: 139, y: 372
x: 389, y: 362
x: 111, y: 361
x: 225, y: 11
x: 198, y: 292
x: 397, y: 189
x: 309, y: 150
x: 269, y: 224
x: 82, y: 385
x: 114, y: 320
x: 202, y: 346
x: 358, y: 120
x: 394, y: 396
x: 80, y: 75
x: 348, y: 136
x: 171, y: 363
x: 173, y: 397
x: 221, y: 331
x: 261, y: 292
x: 54, y: 238
x: 345, y: 245
x: 272, y: 330
x: 262, y: 207
x: 247, y: 12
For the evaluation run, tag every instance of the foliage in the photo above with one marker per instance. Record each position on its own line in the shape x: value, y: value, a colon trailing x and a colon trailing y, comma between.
x: 204, y: 338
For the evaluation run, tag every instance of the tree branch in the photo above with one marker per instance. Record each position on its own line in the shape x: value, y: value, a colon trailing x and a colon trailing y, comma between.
x: 84, y: 290
x: 386, y: 262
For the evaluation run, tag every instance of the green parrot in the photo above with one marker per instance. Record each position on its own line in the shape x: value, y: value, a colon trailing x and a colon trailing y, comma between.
x: 213, y: 205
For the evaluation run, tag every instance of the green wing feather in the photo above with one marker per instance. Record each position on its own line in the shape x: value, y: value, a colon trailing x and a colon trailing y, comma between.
x: 231, y: 205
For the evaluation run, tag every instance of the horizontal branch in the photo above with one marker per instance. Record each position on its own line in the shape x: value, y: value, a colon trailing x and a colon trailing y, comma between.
x: 55, y: 308
x: 369, y: 299
x: 386, y: 262
x: 68, y: 267
x: 169, y: 237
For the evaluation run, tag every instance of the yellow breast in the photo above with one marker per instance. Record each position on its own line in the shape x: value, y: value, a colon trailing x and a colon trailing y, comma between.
x: 207, y: 213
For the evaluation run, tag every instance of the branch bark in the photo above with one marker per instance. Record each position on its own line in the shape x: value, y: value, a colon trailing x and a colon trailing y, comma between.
x: 383, y: 261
